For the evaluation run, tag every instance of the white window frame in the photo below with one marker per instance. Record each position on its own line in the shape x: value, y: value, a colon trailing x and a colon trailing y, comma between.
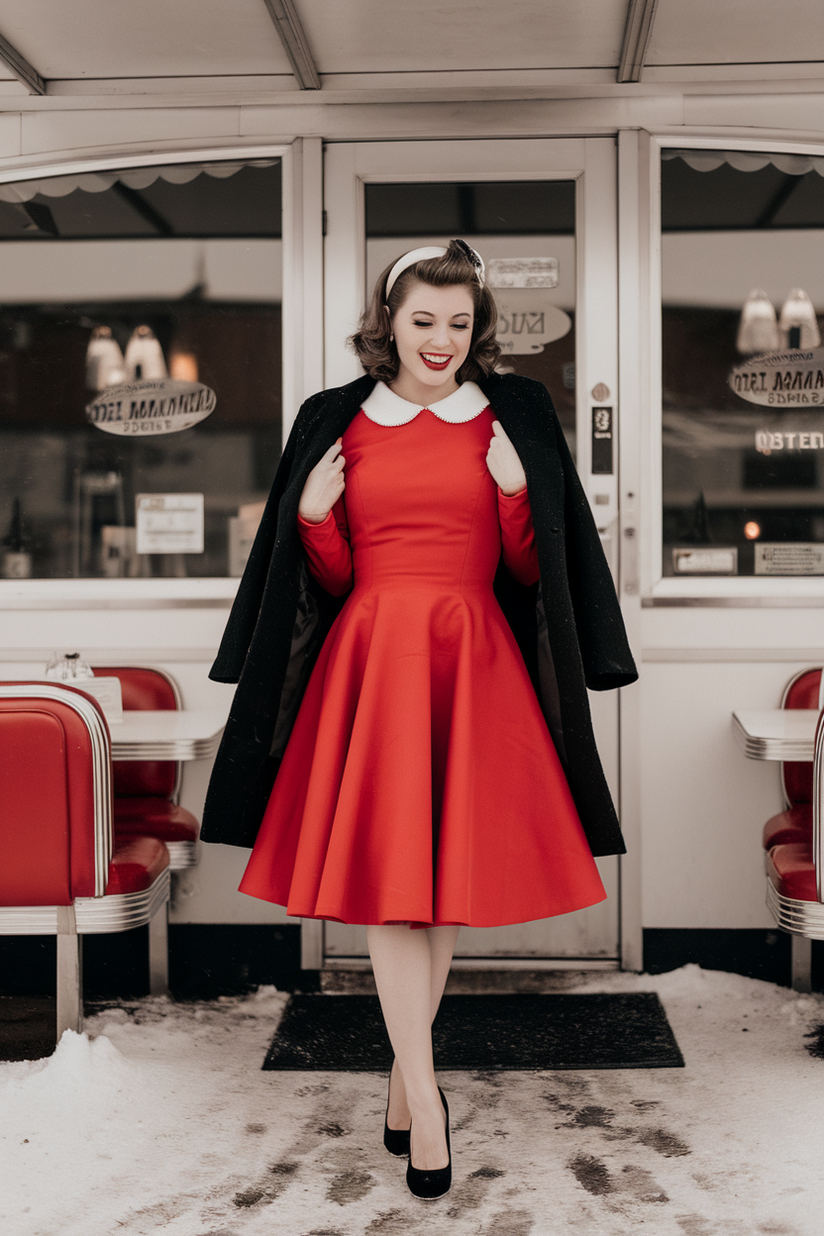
x: 302, y: 286
x: 641, y: 370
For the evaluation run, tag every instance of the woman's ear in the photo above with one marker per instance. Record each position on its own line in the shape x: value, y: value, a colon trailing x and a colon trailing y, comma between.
x: 389, y: 316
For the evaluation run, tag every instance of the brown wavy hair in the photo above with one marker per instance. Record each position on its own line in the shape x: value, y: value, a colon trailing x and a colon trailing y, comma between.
x: 376, y: 350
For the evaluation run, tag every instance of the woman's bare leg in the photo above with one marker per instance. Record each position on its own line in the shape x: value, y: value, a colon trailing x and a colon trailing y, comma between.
x: 410, y: 973
x: 442, y: 942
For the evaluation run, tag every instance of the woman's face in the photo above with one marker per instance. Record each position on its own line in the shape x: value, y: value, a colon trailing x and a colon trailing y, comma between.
x: 433, y: 333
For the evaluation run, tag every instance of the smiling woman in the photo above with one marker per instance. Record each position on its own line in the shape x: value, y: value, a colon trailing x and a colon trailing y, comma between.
x: 418, y: 782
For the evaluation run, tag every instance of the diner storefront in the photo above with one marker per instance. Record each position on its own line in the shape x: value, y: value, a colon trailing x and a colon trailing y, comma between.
x: 200, y: 223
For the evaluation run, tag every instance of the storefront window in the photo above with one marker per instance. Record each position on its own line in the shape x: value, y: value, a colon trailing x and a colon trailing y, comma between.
x: 168, y: 274
x: 743, y: 367
x: 525, y: 232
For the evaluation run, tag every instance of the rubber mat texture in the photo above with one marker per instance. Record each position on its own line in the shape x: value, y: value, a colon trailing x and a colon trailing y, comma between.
x: 480, y: 1033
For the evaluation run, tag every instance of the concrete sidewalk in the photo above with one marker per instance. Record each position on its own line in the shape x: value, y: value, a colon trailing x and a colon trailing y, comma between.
x: 163, y: 1121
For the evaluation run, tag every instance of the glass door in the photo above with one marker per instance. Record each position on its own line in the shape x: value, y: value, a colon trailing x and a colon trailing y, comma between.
x: 542, y: 215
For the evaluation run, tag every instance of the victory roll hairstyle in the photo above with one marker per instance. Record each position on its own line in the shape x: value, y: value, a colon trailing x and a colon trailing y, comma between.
x: 372, y: 343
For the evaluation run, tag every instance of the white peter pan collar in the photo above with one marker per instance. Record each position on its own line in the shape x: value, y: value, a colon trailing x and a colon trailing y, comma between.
x: 384, y: 407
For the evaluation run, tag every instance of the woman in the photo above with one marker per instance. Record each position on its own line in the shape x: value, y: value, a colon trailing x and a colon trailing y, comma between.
x: 418, y: 787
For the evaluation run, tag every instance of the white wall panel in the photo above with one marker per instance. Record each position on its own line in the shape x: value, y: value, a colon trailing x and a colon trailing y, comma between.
x: 703, y: 802
x: 155, y: 38
x: 694, y: 628
x: 736, y: 32
x: 10, y: 135
x: 803, y: 112
x: 48, y: 132
x: 365, y: 35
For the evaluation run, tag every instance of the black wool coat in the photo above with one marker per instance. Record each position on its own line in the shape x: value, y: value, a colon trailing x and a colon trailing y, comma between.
x: 569, y: 626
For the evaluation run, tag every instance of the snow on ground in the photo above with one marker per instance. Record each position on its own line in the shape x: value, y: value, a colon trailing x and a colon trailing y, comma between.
x: 159, y: 1119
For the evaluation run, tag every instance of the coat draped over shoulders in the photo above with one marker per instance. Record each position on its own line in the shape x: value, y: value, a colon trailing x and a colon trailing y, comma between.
x: 568, y: 626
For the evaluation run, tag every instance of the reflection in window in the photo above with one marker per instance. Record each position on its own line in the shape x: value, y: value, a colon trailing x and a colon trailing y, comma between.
x: 174, y: 269
x: 503, y: 220
x: 743, y: 289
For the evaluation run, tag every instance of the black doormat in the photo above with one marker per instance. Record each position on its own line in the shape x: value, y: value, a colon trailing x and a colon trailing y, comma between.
x: 520, y: 1032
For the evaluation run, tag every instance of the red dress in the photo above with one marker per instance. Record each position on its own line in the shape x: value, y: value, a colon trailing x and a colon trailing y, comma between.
x: 420, y: 783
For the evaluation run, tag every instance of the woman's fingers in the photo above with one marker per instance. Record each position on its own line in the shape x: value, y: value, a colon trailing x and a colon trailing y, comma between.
x: 324, y: 485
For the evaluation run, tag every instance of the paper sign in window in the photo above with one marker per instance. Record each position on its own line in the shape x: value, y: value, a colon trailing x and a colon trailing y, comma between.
x: 789, y: 558
x: 169, y: 523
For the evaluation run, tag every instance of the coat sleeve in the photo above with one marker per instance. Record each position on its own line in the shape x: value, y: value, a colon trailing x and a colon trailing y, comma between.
x: 244, y: 615
x: 605, y: 651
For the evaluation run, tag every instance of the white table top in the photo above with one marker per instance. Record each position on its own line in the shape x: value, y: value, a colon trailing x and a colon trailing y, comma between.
x: 190, y: 734
x: 776, y: 733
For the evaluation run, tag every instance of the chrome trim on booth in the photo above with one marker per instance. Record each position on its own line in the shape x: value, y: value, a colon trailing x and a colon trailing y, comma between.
x: 803, y: 918
x: 742, y: 602
x: 101, y: 764
x: 120, y: 911
x: 726, y: 656
x: 29, y: 920
x: 168, y: 749
x: 756, y: 747
x: 100, y: 603
x: 182, y: 854
x: 818, y: 788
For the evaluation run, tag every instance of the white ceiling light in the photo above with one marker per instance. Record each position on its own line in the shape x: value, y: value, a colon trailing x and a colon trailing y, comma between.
x: 144, y: 356
x: 758, y: 328
x: 798, y: 324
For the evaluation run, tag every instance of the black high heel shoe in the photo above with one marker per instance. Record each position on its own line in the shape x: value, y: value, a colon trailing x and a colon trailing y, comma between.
x: 432, y: 1184
x: 396, y: 1141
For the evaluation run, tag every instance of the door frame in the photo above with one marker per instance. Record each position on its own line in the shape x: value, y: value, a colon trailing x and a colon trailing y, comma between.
x: 592, y: 163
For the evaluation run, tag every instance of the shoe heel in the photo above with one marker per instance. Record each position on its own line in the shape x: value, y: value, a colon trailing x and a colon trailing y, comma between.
x: 396, y: 1141
x: 429, y: 1186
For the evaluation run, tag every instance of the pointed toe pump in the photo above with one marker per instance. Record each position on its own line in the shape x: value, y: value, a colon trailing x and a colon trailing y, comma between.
x: 432, y: 1184
x: 396, y: 1141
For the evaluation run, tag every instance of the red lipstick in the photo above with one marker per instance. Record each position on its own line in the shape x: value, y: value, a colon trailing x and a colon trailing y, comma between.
x: 432, y: 365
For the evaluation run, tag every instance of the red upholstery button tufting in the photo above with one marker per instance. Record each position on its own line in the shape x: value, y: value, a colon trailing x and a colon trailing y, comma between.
x: 155, y: 817
x: 136, y: 864
x: 793, y: 825
x: 792, y: 870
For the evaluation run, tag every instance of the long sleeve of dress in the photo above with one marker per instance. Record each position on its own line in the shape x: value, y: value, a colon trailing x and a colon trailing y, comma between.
x: 518, y: 537
x: 328, y: 551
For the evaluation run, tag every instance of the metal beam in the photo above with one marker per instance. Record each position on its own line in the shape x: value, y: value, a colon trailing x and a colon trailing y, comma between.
x: 287, y: 24
x: 638, y: 28
x: 21, y: 68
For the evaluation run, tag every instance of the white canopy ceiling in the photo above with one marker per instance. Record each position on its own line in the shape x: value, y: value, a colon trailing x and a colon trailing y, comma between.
x: 54, y: 47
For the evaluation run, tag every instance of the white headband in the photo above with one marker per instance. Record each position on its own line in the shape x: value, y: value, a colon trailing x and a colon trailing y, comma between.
x: 422, y: 255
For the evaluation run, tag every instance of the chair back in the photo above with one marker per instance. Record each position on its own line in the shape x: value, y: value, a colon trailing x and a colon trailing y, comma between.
x: 55, y: 795
x: 144, y: 689
x: 802, y: 691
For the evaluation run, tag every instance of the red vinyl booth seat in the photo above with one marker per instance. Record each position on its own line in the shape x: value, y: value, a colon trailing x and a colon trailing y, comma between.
x: 143, y: 689
x: 791, y: 838
x: 45, y: 752
x: 793, y: 825
x: 144, y: 790
x: 157, y: 816
x: 61, y: 872
x: 135, y: 865
x: 802, y: 692
x: 792, y: 871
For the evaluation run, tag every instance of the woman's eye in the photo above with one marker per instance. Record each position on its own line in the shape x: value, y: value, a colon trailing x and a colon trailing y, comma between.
x: 460, y: 326
x: 421, y: 323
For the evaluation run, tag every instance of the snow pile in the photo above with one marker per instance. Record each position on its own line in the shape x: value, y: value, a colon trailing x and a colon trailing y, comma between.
x: 160, y: 1120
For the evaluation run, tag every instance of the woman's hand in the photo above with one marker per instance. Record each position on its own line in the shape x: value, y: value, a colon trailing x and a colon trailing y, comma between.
x: 504, y: 464
x: 324, y: 485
